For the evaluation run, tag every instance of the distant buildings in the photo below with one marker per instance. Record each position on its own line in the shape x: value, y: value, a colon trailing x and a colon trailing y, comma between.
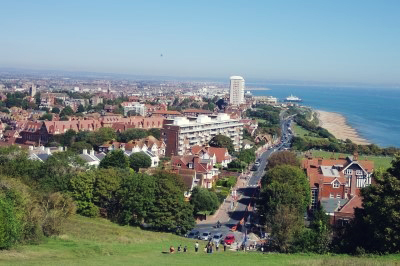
x: 181, y: 133
x: 134, y: 107
x: 236, y: 90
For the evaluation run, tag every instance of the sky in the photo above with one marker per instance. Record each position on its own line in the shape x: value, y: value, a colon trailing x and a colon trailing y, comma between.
x: 329, y: 41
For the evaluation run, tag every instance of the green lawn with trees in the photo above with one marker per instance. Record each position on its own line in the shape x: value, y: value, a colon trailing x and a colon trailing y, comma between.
x: 97, y: 241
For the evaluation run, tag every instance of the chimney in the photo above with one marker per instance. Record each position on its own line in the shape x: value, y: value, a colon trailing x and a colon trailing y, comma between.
x: 319, y: 161
x: 353, y: 183
x: 355, y: 156
x: 92, y: 152
x: 48, y: 151
x: 84, y: 151
x: 42, y: 148
x: 31, y: 148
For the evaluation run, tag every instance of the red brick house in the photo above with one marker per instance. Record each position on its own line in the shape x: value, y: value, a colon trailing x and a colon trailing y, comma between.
x: 217, y: 155
x: 336, y: 183
x: 202, y: 166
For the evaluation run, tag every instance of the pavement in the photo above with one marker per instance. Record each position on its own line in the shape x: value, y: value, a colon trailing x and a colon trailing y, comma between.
x: 245, y: 190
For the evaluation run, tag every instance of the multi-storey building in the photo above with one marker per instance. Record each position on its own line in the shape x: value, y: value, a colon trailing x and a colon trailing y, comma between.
x: 136, y: 107
x: 236, y: 96
x: 336, y: 183
x: 181, y: 133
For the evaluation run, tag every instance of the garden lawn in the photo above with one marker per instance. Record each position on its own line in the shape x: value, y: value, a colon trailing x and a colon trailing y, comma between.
x: 380, y: 161
x: 89, y: 241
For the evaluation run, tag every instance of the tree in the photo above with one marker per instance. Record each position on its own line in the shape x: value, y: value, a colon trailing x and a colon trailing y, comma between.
x: 247, y: 156
x: 282, y: 157
x: 139, y: 160
x: 222, y: 141
x: 116, y: 158
x: 67, y: 111
x: 135, y: 199
x: 170, y: 212
x: 236, y: 165
x: 284, y: 198
x: 81, y: 109
x: 46, y: 116
x: 79, y: 146
x: 55, y: 110
x: 369, y: 231
x: 204, y: 200
x: 100, y: 136
x: 67, y: 138
x: 155, y: 132
x: 58, y: 169
x: 132, y: 134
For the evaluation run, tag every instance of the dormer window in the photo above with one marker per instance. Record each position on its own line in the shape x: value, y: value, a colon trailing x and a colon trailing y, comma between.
x: 336, y: 184
x: 190, y: 165
x: 179, y: 165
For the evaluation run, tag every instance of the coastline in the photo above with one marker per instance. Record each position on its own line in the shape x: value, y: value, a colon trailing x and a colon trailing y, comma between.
x: 337, y: 125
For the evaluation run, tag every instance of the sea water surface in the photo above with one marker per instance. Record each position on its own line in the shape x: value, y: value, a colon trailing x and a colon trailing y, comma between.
x: 373, y: 112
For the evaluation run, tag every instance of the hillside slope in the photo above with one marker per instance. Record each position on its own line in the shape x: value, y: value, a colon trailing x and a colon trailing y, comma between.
x: 99, y: 242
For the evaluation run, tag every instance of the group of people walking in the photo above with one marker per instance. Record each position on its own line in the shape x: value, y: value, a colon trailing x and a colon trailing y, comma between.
x: 209, y: 248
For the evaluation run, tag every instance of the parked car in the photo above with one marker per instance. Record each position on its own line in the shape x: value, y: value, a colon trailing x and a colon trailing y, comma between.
x: 257, y: 163
x: 217, y: 237
x: 193, y: 234
x: 205, y: 236
x: 229, y: 239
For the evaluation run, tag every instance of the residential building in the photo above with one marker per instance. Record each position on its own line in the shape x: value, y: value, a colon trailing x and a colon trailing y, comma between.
x: 181, y: 133
x: 236, y: 95
x: 205, y: 167
x: 216, y: 155
x: 91, y: 158
x: 196, y: 112
x: 135, y: 107
x: 265, y: 100
x: 335, y: 182
x: 150, y: 143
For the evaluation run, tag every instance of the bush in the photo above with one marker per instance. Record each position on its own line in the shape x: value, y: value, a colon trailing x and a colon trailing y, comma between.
x: 10, y: 226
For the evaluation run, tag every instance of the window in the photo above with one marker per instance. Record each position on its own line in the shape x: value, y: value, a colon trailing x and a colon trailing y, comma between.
x: 179, y: 165
x: 190, y: 165
x: 336, y: 184
x: 359, y: 172
x: 331, y: 196
x: 348, y: 172
x: 338, y: 196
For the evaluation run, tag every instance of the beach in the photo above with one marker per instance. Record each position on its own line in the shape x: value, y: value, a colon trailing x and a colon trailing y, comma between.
x: 337, y: 125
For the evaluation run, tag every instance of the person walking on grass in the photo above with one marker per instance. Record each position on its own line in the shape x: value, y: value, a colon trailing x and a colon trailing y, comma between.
x: 196, y: 247
x: 179, y: 248
x: 225, y: 246
x: 185, y: 249
x: 217, y: 246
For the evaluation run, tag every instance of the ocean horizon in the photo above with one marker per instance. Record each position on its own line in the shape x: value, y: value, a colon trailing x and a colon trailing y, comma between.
x: 373, y: 112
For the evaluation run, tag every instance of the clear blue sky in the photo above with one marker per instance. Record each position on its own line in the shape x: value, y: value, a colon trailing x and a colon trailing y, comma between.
x: 348, y: 40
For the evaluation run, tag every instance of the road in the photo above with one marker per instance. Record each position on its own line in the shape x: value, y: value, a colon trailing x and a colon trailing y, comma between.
x: 246, y: 194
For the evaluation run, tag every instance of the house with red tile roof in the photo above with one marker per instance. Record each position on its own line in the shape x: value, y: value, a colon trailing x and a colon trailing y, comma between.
x: 217, y: 155
x: 335, y: 183
x: 202, y: 166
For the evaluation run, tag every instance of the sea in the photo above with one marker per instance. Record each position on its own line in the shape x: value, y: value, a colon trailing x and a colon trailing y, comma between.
x: 373, y: 112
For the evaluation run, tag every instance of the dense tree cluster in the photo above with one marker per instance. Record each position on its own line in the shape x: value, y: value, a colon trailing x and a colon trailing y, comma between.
x: 221, y: 141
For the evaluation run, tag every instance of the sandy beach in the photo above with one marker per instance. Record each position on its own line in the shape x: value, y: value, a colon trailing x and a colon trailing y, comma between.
x: 337, y: 125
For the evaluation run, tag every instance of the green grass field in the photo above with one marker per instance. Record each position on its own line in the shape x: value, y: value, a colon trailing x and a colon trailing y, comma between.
x: 380, y: 161
x: 302, y: 132
x: 99, y: 242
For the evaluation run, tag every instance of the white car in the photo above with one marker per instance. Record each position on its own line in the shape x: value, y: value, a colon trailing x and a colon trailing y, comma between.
x: 205, y: 236
x: 217, y: 237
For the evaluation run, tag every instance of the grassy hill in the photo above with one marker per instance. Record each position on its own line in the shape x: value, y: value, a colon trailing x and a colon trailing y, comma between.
x: 99, y: 242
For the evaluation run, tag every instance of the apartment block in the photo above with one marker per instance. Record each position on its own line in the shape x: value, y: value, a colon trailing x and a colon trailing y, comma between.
x: 182, y: 133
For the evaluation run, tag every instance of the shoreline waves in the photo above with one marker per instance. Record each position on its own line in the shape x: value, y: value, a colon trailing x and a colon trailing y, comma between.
x: 337, y: 125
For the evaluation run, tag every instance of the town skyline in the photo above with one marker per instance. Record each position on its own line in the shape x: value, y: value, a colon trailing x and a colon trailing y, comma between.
x: 272, y: 41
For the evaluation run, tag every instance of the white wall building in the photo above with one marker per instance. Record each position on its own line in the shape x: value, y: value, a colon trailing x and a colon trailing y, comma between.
x: 236, y: 90
x: 138, y: 108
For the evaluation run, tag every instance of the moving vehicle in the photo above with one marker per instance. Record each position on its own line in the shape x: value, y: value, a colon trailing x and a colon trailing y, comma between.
x: 217, y: 237
x: 193, y: 234
x: 292, y: 98
x: 205, y: 236
x: 229, y: 239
